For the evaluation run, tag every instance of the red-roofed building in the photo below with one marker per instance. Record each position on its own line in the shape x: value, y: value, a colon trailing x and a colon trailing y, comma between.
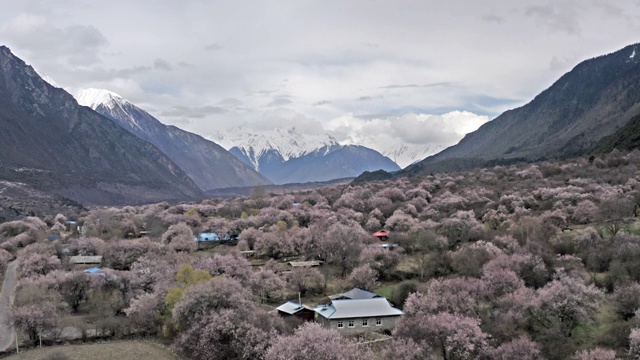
x: 381, y: 235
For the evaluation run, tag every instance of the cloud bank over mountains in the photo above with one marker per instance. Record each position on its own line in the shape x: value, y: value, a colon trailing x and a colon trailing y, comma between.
x: 418, y: 72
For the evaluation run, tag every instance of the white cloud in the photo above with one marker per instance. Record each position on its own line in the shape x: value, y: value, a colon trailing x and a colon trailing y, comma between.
x: 420, y: 129
x: 287, y: 119
x: 74, y: 45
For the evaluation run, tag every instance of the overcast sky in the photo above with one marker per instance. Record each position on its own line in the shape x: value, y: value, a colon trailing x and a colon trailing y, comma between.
x: 431, y: 70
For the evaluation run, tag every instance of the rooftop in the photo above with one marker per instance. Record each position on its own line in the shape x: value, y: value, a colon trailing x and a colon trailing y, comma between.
x: 346, y: 308
x: 208, y: 237
x: 291, y: 307
x: 79, y: 259
x: 381, y: 233
x: 355, y: 294
x: 304, y: 263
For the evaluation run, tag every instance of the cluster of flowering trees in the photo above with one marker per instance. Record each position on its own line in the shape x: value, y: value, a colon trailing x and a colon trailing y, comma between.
x: 523, y: 261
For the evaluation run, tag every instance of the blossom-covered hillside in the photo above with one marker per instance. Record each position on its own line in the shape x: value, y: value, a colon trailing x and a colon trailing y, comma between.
x: 532, y: 261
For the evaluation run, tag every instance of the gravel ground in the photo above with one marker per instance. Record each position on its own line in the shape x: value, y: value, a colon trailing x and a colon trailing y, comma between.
x: 138, y: 350
x: 6, y: 298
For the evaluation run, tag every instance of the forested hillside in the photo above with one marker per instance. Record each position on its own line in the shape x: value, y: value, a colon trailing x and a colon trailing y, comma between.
x: 532, y: 261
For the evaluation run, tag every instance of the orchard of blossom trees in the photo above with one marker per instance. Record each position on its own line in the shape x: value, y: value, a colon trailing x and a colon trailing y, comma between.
x: 528, y: 261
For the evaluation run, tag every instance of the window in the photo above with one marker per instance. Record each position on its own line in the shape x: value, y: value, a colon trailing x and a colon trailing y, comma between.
x: 340, y: 324
x: 352, y: 323
x: 365, y: 322
x: 378, y: 322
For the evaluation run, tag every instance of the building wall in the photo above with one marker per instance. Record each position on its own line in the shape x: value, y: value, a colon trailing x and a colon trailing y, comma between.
x: 386, y: 323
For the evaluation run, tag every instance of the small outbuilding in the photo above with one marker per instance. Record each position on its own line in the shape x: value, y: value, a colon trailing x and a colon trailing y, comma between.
x: 388, y: 246
x: 215, y: 238
x: 382, y: 235
x: 312, y: 263
x: 293, y: 309
x: 206, y: 237
x: 79, y: 259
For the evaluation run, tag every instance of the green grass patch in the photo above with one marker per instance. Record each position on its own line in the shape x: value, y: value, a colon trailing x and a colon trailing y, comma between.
x: 385, y: 290
x: 599, y: 332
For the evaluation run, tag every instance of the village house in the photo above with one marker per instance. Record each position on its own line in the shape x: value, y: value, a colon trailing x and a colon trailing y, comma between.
x: 357, y: 311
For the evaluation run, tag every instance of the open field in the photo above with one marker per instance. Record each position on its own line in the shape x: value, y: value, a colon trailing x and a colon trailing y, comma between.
x: 139, y: 350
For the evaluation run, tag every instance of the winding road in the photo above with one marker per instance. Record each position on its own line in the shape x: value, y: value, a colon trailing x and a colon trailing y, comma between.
x: 6, y: 299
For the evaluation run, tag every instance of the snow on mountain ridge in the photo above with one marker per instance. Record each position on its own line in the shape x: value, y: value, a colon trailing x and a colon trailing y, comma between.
x: 287, y: 142
x: 47, y: 78
x: 291, y: 144
x: 407, y: 154
x: 93, y: 98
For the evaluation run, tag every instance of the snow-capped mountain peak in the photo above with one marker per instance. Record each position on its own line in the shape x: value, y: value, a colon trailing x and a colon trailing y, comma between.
x: 287, y: 142
x: 115, y: 103
x: 407, y: 154
x: 95, y: 97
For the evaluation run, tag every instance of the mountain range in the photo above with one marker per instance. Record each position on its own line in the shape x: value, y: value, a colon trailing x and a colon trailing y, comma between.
x: 593, y: 100
x: 56, y: 152
x: 287, y: 156
x: 253, y: 146
x: 103, y: 150
x: 279, y: 156
x: 207, y: 163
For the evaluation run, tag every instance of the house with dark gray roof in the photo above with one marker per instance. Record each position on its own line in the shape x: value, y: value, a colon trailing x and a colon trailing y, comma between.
x: 357, y: 315
x: 293, y: 309
x: 355, y: 294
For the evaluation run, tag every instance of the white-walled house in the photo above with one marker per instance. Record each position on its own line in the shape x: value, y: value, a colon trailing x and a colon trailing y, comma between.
x: 358, y: 315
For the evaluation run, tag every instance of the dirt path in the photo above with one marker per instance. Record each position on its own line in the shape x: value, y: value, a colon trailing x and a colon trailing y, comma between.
x: 6, y: 298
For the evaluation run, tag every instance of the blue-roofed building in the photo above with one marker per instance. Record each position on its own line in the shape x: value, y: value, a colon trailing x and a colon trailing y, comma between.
x: 210, y: 236
x: 362, y: 312
x: 101, y: 273
x: 96, y: 271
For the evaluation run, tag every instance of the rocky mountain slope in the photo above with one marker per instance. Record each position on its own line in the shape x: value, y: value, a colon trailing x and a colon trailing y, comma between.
x: 208, y: 164
x: 50, y: 143
x: 625, y: 138
x: 591, y: 101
